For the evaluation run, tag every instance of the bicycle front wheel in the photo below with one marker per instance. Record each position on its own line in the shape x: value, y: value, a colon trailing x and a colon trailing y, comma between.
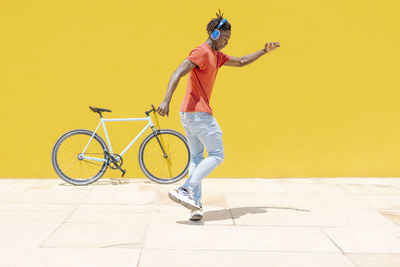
x: 165, y: 168
x: 67, y: 162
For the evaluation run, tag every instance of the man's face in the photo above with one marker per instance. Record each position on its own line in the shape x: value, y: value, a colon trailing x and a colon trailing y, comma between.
x: 223, y: 40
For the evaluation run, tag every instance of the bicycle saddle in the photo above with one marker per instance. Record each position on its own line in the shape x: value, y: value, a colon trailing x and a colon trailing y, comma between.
x: 99, y: 109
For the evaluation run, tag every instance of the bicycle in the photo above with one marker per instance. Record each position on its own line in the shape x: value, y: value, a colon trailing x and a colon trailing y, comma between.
x: 81, y: 157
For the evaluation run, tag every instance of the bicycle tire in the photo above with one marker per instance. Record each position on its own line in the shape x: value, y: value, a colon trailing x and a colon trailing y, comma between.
x: 75, y: 150
x: 181, y: 144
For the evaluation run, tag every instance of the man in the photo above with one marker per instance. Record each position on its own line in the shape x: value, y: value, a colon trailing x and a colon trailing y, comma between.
x: 201, y: 128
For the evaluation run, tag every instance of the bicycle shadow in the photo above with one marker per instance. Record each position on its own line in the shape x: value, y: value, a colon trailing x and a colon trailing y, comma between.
x: 110, y: 181
x: 234, y: 213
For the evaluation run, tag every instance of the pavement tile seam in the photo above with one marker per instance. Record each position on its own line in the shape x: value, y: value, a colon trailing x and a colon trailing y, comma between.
x: 112, y: 204
x: 372, y: 205
x: 249, y: 258
x: 292, y: 197
x: 395, y: 227
x: 157, y: 198
x: 376, y: 196
x: 59, y: 226
x: 343, y: 187
x: 351, y: 260
x: 91, y: 198
x: 142, y: 245
x: 125, y: 212
x: 33, y: 214
x: 229, y: 209
x: 371, y: 253
x: 331, y: 240
x: 13, y: 195
x: 70, y: 228
x: 373, y: 195
x: 14, y: 201
x: 354, y: 245
x: 299, y: 226
x: 103, y: 223
x: 116, y: 204
x: 148, y: 204
x: 123, y: 245
x: 200, y: 223
x: 262, y: 252
x: 389, y: 210
x: 16, y: 208
x: 388, y: 215
x: 251, y: 250
x: 219, y: 231
x: 189, y: 223
x: 68, y: 257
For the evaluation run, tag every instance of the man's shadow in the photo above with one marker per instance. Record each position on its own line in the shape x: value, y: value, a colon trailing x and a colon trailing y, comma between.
x: 234, y: 213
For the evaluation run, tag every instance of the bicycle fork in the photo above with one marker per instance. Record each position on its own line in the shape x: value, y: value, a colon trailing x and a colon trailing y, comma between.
x: 159, y: 142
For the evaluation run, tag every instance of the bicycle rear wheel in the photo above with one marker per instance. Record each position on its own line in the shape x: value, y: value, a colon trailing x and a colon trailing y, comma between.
x: 79, y: 171
x: 157, y: 167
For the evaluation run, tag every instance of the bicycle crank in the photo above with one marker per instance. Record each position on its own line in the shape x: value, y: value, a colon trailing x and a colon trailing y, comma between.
x: 115, y: 162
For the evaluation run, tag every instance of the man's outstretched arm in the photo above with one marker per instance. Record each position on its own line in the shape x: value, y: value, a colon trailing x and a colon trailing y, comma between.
x: 246, y: 60
x: 183, y: 69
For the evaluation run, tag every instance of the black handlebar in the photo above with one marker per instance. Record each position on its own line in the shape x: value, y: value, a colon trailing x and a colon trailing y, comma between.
x: 151, y: 110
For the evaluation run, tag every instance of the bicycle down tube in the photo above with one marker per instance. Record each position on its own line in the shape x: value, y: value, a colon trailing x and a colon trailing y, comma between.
x: 102, y: 122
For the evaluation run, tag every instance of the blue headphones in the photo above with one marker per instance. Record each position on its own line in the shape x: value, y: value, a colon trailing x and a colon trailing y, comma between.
x: 216, y: 33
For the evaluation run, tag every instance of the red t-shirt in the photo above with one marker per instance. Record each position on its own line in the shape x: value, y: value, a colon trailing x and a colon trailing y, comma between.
x: 201, y: 79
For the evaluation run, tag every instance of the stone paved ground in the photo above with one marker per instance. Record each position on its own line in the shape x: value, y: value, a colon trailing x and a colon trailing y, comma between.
x: 247, y: 222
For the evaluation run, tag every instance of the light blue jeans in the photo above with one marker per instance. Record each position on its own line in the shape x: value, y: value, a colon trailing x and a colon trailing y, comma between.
x: 202, y: 130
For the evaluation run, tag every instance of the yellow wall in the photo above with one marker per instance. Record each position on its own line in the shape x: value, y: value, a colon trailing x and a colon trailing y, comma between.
x: 326, y: 104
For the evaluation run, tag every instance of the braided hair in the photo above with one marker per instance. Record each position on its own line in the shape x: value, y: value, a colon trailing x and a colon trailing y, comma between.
x: 212, y: 25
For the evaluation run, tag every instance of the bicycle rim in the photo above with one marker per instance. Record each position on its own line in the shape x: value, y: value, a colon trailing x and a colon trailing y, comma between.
x: 71, y: 168
x: 159, y: 168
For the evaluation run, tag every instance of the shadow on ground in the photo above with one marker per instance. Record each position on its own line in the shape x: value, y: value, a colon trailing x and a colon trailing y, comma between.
x: 235, y: 213
x: 110, y: 181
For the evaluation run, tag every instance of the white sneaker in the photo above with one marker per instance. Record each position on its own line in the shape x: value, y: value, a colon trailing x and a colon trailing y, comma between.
x: 196, y: 215
x: 185, y: 198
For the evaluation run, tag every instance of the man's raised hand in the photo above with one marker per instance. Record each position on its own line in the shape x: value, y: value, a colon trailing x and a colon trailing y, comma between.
x: 270, y: 46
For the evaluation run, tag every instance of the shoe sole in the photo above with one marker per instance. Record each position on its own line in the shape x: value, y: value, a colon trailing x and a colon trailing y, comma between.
x: 177, y: 200
x: 196, y: 218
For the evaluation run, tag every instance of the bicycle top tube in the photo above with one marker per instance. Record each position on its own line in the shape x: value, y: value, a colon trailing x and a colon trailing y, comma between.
x: 127, y: 119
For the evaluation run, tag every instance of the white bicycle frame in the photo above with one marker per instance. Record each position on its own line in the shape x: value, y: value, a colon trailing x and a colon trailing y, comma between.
x: 102, y: 122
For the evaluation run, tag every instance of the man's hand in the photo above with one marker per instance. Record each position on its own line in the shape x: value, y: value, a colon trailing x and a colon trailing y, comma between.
x: 271, y: 46
x: 163, y: 109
